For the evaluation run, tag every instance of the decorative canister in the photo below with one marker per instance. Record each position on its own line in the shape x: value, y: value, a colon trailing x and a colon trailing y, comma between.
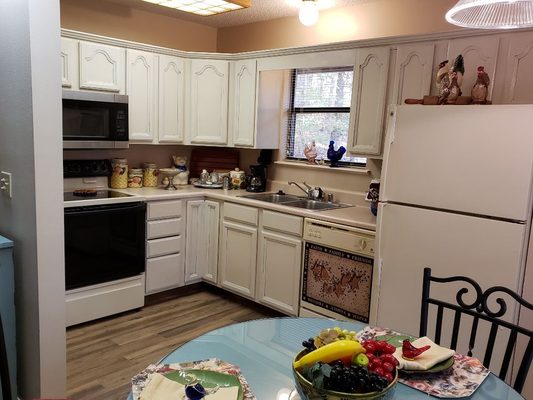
x: 135, y: 178
x: 119, y: 176
x: 150, y: 175
x: 238, y: 179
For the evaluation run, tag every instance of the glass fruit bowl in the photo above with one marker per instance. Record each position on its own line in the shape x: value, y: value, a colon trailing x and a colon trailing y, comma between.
x: 307, y: 391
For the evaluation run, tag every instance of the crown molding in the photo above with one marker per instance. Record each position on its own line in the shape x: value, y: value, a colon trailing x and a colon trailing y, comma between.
x: 347, y: 45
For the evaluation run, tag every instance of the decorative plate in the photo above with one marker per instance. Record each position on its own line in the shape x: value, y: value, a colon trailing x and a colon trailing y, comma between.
x: 208, y: 379
x: 442, y: 366
x: 208, y: 185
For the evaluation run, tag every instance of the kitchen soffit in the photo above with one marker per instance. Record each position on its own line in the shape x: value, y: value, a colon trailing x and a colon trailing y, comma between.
x: 260, y: 10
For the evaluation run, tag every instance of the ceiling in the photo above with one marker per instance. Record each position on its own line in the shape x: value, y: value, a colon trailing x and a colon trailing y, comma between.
x: 261, y: 10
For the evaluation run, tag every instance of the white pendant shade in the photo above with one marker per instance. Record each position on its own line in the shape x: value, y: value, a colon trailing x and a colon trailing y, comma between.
x: 492, y: 14
x: 308, y: 12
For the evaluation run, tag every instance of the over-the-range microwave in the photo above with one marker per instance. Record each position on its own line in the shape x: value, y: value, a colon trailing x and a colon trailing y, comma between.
x: 94, y: 120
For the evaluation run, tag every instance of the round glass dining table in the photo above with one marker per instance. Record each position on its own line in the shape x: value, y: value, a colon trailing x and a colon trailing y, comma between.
x: 264, y: 350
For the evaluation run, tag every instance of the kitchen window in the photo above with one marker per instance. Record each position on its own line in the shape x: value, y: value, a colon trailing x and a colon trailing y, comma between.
x: 319, y: 111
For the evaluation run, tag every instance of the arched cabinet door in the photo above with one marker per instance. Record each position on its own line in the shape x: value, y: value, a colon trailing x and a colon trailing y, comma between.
x: 412, y: 73
x: 368, y: 100
x: 141, y: 93
x: 69, y: 63
x: 244, y: 103
x: 519, y: 79
x: 209, y: 102
x: 102, y: 67
x: 171, y: 99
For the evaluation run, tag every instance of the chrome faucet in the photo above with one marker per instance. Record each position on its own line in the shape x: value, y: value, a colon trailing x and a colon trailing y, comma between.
x: 313, y: 194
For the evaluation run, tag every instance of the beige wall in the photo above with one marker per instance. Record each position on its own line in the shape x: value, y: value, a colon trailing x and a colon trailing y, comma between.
x: 371, y: 19
x: 123, y: 22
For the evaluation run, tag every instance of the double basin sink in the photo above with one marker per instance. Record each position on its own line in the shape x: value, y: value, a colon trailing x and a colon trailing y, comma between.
x: 295, y: 201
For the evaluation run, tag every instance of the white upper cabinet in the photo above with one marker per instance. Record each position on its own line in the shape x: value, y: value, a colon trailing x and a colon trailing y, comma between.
x: 476, y: 51
x: 412, y: 73
x: 368, y: 100
x: 69, y: 63
x: 208, y: 122
x: 140, y: 90
x: 171, y: 99
x: 102, y: 67
x: 242, y: 120
x: 519, y: 82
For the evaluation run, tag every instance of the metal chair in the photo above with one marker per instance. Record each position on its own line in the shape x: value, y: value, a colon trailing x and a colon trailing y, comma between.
x: 479, y: 310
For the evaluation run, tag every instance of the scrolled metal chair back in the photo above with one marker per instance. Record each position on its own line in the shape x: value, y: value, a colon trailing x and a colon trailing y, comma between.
x: 479, y: 309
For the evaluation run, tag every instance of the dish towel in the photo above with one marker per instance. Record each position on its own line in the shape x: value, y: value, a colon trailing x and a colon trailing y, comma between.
x: 161, y: 388
x: 431, y: 357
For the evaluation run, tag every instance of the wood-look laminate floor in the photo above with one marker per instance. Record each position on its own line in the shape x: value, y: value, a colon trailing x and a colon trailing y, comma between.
x: 103, y: 355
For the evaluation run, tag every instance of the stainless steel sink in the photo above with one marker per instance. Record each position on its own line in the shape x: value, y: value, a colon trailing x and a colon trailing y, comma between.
x: 271, y: 197
x: 295, y: 201
x: 315, y: 205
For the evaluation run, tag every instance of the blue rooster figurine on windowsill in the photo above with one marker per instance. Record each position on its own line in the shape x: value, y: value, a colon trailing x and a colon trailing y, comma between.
x: 335, y: 155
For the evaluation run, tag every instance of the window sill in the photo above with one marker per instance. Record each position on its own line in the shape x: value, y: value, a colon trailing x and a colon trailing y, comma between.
x: 303, y: 164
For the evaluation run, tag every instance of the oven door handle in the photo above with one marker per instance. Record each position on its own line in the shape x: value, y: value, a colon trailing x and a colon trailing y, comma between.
x: 104, y: 209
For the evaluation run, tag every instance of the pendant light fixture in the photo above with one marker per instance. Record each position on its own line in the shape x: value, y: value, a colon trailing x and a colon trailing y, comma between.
x: 492, y: 14
x: 308, y: 12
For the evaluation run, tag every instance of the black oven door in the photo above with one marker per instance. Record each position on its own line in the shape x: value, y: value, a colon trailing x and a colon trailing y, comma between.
x: 104, y: 243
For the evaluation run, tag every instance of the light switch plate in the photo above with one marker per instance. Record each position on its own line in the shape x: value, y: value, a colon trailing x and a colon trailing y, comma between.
x: 6, y: 182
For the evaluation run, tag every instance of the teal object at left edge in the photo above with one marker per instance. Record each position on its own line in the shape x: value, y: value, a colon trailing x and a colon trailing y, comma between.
x: 7, y: 311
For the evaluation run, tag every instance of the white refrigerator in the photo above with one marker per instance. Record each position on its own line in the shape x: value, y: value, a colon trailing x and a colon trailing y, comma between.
x: 456, y: 196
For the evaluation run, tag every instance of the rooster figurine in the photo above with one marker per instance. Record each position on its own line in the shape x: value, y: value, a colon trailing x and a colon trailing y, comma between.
x: 310, y: 152
x: 480, y: 88
x: 335, y: 155
x: 443, y: 77
x: 410, y: 352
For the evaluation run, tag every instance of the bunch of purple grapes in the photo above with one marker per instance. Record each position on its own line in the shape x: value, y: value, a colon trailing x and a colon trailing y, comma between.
x: 353, y: 379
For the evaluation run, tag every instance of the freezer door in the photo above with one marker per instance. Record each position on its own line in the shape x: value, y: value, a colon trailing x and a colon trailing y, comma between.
x: 409, y: 239
x: 475, y: 159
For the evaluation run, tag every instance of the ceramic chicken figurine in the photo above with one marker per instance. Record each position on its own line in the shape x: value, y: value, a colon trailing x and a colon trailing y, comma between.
x: 480, y: 88
x: 310, y: 152
x: 454, y: 90
x: 443, y: 78
x: 335, y: 155
x: 410, y: 352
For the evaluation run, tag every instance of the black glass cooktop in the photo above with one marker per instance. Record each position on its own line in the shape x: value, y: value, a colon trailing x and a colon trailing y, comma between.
x: 88, y: 194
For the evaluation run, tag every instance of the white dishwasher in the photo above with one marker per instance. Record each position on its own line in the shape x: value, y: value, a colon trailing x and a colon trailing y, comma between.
x: 338, y: 271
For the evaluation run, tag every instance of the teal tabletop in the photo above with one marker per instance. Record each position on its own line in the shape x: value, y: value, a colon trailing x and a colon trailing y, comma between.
x: 264, y: 350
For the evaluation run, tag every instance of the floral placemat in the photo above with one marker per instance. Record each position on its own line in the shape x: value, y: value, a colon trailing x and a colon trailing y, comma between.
x: 460, y: 380
x: 139, y: 381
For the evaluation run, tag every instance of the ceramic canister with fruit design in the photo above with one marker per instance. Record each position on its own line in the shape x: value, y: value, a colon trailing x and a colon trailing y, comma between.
x: 135, y: 178
x: 150, y: 175
x: 119, y: 176
x: 238, y: 179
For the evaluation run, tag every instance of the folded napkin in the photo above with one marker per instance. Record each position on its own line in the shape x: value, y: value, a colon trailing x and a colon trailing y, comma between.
x: 434, y: 355
x: 161, y: 388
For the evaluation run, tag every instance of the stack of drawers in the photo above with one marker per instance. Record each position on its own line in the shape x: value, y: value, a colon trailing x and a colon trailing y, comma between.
x: 165, y: 229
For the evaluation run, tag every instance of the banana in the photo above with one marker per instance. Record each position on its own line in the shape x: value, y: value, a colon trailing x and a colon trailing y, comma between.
x: 330, y: 352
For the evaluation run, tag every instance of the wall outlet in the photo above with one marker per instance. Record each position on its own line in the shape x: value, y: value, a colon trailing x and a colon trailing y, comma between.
x: 6, y: 181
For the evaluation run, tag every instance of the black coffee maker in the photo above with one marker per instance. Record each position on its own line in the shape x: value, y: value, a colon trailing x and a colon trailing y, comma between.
x: 258, y: 178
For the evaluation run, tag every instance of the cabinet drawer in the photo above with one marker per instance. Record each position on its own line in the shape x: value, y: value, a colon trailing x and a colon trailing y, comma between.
x: 164, y: 227
x: 245, y: 214
x: 164, y: 209
x: 161, y: 247
x: 164, y: 272
x: 282, y: 222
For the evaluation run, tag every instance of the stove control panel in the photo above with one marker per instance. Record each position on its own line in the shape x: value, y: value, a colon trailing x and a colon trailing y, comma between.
x: 86, y: 168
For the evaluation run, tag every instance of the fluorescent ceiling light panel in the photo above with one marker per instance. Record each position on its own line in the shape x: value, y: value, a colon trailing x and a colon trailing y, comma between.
x: 203, y: 7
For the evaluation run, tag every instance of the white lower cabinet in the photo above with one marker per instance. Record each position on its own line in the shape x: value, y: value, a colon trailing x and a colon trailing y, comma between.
x: 164, y: 246
x: 238, y: 249
x: 279, y: 262
x: 201, y: 260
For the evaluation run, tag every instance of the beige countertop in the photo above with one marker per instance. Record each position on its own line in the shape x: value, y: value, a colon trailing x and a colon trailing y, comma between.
x: 358, y: 216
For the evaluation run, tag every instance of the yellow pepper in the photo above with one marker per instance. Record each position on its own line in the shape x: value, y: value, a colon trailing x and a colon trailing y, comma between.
x: 330, y: 352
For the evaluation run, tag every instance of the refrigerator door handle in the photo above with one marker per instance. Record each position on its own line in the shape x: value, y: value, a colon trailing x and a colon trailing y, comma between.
x: 391, y: 126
